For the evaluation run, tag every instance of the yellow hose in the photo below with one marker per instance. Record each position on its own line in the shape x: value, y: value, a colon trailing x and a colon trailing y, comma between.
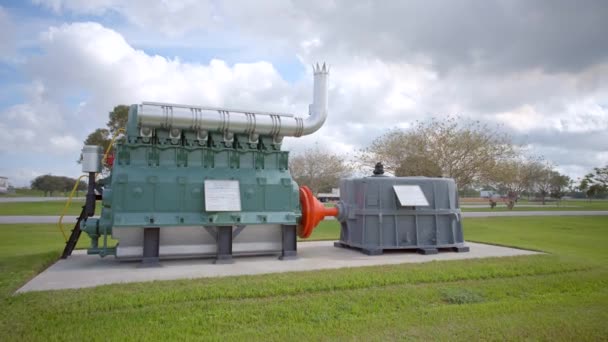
x: 107, y: 152
x: 67, y: 205
x: 69, y: 201
x: 105, y: 155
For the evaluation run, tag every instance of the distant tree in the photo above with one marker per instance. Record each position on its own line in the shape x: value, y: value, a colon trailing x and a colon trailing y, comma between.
x: 118, y: 118
x: 571, y: 186
x: 50, y: 184
x: 47, y: 183
x: 65, y: 184
x: 559, y: 185
x: 318, y: 169
x: 416, y: 165
x: 595, y: 183
x: 598, y: 176
x: 100, y: 137
x: 40, y: 184
x: 543, y: 183
x: 465, y: 151
x: 509, y: 176
x: 103, y: 136
x: 596, y: 191
x: 536, y: 178
x: 391, y: 148
x: 584, y: 186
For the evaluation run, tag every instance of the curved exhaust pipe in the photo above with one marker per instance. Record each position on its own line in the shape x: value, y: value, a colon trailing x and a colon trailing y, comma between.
x: 318, y: 108
x: 151, y: 115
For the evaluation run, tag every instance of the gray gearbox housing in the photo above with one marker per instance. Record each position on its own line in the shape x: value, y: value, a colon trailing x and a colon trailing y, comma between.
x: 381, y: 213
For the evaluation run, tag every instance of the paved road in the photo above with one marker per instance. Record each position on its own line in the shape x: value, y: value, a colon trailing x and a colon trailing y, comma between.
x: 536, y: 213
x: 68, y: 219
x: 35, y: 199
x: 36, y: 219
x: 539, y: 206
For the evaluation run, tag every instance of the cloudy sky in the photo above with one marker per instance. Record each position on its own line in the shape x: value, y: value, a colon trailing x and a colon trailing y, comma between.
x: 539, y: 68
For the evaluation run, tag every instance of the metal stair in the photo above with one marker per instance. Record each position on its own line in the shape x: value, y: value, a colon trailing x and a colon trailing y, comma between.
x: 73, y: 240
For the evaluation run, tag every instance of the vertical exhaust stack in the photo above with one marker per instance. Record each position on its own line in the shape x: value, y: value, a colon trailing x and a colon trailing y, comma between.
x: 318, y: 108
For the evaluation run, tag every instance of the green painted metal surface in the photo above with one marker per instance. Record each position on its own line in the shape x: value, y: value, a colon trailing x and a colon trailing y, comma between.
x: 158, y: 181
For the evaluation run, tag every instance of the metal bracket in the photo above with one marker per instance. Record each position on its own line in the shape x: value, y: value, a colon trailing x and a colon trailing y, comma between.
x: 212, y: 231
x: 237, y: 230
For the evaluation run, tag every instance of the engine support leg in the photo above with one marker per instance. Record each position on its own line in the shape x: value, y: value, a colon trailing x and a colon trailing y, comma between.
x: 224, y: 245
x: 151, y: 247
x: 289, y: 250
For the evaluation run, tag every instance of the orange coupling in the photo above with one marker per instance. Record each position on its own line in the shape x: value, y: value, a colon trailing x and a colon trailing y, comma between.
x: 313, y: 212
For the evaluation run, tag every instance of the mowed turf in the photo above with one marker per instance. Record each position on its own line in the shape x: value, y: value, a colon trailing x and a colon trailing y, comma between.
x: 54, y: 208
x: 48, y: 208
x: 559, y: 296
x: 28, y: 193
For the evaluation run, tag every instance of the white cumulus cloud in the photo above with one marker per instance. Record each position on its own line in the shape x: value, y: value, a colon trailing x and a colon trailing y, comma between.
x: 170, y: 17
x: 392, y: 63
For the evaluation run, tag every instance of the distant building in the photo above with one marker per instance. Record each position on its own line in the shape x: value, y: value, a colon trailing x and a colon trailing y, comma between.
x: 487, y: 194
x: 3, y: 185
x: 334, y: 195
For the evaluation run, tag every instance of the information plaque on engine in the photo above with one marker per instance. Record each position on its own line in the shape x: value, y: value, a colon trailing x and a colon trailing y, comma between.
x: 410, y: 196
x: 222, y: 195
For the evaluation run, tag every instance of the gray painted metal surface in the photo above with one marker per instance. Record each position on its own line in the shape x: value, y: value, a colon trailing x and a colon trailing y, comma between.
x: 91, y: 158
x: 376, y: 213
x: 194, y: 241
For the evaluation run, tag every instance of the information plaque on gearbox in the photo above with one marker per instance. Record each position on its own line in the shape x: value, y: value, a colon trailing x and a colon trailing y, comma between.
x: 410, y: 195
x: 222, y: 195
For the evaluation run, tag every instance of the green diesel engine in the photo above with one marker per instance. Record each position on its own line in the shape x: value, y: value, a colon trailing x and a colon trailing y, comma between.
x: 193, y: 181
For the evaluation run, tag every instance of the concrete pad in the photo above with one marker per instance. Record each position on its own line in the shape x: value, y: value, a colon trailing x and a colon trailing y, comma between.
x: 81, y: 270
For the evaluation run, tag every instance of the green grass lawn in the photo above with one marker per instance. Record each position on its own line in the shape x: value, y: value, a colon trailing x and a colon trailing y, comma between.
x: 52, y: 208
x: 38, y: 193
x: 326, y: 230
x: 28, y: 193
x: 559, y: 296
x: 48, y: 208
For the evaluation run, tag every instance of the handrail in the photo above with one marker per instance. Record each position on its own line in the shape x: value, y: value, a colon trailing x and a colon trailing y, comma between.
x: 65, y: 208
